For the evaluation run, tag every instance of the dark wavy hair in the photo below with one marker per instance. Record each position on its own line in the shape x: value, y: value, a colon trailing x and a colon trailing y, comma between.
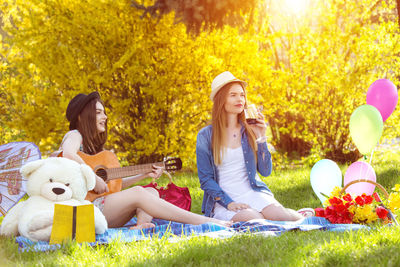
x: 93, y: 141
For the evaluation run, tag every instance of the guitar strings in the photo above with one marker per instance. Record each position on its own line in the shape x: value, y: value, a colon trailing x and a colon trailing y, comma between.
x: 127, y: 170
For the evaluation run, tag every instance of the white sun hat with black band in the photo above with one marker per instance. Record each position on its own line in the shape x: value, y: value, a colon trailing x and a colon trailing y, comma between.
x: 223, y: 79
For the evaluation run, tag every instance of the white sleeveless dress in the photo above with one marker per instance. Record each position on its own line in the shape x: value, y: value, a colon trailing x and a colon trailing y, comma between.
x: 234, y: 181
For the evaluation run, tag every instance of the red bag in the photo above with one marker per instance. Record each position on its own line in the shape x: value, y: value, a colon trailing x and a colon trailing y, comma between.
x: 179, y: 196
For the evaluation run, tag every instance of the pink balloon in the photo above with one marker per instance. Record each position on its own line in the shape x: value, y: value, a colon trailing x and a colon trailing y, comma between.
x: 382, y: 94
x: 360, y: 170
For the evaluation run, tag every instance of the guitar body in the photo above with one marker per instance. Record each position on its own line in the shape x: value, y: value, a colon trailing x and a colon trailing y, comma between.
x: 103, y: 160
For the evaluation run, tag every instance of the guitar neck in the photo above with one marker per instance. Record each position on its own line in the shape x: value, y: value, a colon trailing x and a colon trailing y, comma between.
x: 122, y: 172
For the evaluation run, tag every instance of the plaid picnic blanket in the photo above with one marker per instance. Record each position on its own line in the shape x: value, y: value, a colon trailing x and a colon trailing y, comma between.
x: 178, y: 230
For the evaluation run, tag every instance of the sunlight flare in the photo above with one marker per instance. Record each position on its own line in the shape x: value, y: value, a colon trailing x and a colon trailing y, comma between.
x: 296, y: 6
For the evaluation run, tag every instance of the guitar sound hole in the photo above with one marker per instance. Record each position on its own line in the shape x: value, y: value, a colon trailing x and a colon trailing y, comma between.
x: 102, y: 174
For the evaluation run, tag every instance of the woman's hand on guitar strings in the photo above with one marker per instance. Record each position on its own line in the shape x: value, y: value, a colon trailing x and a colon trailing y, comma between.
x: 101, y: 186
x: 157, y: 172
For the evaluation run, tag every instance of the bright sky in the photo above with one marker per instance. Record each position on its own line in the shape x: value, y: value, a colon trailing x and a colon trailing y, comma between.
x: 296, y: 6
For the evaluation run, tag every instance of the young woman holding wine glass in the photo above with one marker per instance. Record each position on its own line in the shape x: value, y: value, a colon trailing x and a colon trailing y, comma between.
x: 230, y: 152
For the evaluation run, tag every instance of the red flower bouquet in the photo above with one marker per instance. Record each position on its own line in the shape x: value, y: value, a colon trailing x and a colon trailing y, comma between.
x: 344, y: 208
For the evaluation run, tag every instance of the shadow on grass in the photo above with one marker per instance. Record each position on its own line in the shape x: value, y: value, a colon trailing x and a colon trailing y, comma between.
x: 388, y: 178
x: 297, y: 197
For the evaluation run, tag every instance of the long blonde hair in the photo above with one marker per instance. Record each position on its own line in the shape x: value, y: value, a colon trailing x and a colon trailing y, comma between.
x: 219, y: 119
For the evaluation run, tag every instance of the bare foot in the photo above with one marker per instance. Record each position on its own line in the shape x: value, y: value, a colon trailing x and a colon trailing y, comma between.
x: 306, y: 212
x: 142, y: 226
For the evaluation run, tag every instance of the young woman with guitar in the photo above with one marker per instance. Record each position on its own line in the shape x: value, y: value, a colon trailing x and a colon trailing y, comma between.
x: 88, y: 134
x: 229, y: 154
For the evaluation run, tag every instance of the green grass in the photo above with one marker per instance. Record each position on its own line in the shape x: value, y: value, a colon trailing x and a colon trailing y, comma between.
x: 378, y: 246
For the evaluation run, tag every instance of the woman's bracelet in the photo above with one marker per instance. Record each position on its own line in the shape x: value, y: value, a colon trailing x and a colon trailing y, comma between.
x: 261, y: 139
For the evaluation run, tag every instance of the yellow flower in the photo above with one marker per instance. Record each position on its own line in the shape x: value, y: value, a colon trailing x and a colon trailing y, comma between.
x: 396, y: 188
x: 394, y: 201
x: 352, y: 209
x: 335, y: 193
x: 364, y: 214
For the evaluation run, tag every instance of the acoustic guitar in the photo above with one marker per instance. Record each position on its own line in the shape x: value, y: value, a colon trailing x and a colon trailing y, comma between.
x: 106, y: 165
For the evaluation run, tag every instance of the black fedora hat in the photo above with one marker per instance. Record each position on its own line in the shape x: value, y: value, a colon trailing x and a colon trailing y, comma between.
x: 76, y: 106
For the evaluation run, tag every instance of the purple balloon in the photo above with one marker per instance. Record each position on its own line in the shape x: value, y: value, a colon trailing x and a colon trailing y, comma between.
x: 382, y: 94
x: 356, y: 171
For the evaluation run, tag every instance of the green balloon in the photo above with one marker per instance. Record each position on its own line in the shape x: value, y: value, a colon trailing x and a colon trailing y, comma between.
x: 366, y: 126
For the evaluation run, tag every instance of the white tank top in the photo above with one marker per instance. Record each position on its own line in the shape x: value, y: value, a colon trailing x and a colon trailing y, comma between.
x: 233, y: 178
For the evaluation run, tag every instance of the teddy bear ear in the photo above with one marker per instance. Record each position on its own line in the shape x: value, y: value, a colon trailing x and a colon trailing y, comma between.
x: 30, y: 167
x: 89, y: 176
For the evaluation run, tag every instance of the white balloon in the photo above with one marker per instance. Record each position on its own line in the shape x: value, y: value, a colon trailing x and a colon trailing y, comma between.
x: 324, y: 177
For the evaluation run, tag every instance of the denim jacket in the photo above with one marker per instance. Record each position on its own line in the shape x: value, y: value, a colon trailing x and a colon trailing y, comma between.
x: 208, y: 173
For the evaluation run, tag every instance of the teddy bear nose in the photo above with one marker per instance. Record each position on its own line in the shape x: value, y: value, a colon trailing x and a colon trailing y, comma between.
x: 58, y: 191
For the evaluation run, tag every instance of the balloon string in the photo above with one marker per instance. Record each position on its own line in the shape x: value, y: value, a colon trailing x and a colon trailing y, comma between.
x: 360, y: 178
x: 372, y: 153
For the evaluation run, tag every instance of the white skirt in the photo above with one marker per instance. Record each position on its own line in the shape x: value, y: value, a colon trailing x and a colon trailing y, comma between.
x: 256, y: 200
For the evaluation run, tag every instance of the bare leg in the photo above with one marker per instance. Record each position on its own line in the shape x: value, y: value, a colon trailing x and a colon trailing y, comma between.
x: 276, y: 212
x: 121, y: 206
x: 247, y: 215
x: 144, y: 219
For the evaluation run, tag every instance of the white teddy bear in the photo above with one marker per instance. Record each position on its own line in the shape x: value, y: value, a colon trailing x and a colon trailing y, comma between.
x: 50, y: 181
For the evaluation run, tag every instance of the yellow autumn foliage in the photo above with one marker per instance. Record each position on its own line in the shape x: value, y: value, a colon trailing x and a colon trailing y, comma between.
x: 324, y: 73
x: 155, y: 78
